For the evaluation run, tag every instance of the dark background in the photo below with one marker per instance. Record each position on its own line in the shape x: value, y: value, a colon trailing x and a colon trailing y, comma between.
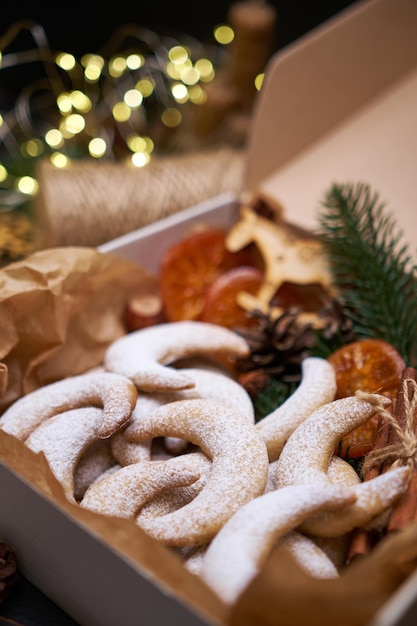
x: 82, y: 27
x: 86, y: 27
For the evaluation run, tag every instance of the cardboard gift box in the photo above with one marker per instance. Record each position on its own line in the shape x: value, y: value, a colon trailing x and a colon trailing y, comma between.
x: 338, y: 105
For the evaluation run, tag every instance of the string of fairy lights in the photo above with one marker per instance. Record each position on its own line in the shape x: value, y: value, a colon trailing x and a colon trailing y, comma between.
x: 123, y: 104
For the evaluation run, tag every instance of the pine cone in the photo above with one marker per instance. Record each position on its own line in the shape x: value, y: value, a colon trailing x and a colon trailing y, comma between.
x: 337, y: 322
x: 255, y: 382
x: 8, y: 571
x: 278, y: 346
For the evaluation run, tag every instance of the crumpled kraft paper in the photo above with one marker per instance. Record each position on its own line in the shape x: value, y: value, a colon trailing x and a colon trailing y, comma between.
x: 59, y: 309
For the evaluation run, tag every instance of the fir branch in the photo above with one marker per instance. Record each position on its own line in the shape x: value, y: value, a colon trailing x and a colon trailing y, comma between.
x: 374, y: 272
x: 276, y: 393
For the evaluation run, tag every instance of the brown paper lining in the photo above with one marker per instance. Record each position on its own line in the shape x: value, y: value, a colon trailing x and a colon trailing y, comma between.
x: 281, y: 595
x: 123, y: 535
x: 58, y: 310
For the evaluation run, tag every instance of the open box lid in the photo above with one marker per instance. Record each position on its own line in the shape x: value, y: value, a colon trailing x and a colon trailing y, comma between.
x: 340, y: 106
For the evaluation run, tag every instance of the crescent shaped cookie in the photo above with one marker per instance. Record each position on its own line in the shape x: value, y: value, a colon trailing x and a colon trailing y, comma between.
x: 143, y: 355
x: 123, y: 492
x: 373, y: 497
x: 242, y: 545
x: 63, y: 439
x: 317, y: 387
x: 336, y: 548
x: 306, y: 456
x: 208, y: 384
x: 339, y: 472
x: 170, y: 500
x: 193, y: 558
x: 238, y: 472
x: 309, y: 556
x: 96, y: 460
x: 114, y: 393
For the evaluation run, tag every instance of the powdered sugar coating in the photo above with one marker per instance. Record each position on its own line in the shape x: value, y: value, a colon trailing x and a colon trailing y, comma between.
x: 238, y: 472
x: 170, y: 500
x: 126, y: 452
x: 309, y: 556
x: 114, y: 393
x: 317, y: 387
x: 208, y: 384
x: 242, y: 545
x: 373, y: 497
x: 336, y: 548
x: 339, y: 472
x: 194, y: 558
x: 63, y: 439
x: 123, y: 492
x: 143, y: 355
x: 307, y: 453
x: 96, y: 460
x: 306, y: 456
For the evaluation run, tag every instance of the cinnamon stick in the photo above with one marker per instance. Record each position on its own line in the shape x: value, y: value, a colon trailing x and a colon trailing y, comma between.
x: 361, y: 544
x: 404, y: 512
x: 363, y: 540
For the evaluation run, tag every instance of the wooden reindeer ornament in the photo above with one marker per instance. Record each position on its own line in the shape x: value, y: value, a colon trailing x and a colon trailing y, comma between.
x: 288, y: 257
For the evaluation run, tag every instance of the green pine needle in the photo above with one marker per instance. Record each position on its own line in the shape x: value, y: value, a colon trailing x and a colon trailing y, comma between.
x: 373, y: 271
x: 276, y: 393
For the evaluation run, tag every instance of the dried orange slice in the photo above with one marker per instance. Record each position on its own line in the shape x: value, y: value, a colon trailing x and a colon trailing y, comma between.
x: 221, y: 306
x: 190, y: 266
x: 371, y: 365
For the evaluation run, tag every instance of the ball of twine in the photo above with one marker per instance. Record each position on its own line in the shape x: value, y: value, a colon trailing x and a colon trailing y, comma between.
x: 92, y: 202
